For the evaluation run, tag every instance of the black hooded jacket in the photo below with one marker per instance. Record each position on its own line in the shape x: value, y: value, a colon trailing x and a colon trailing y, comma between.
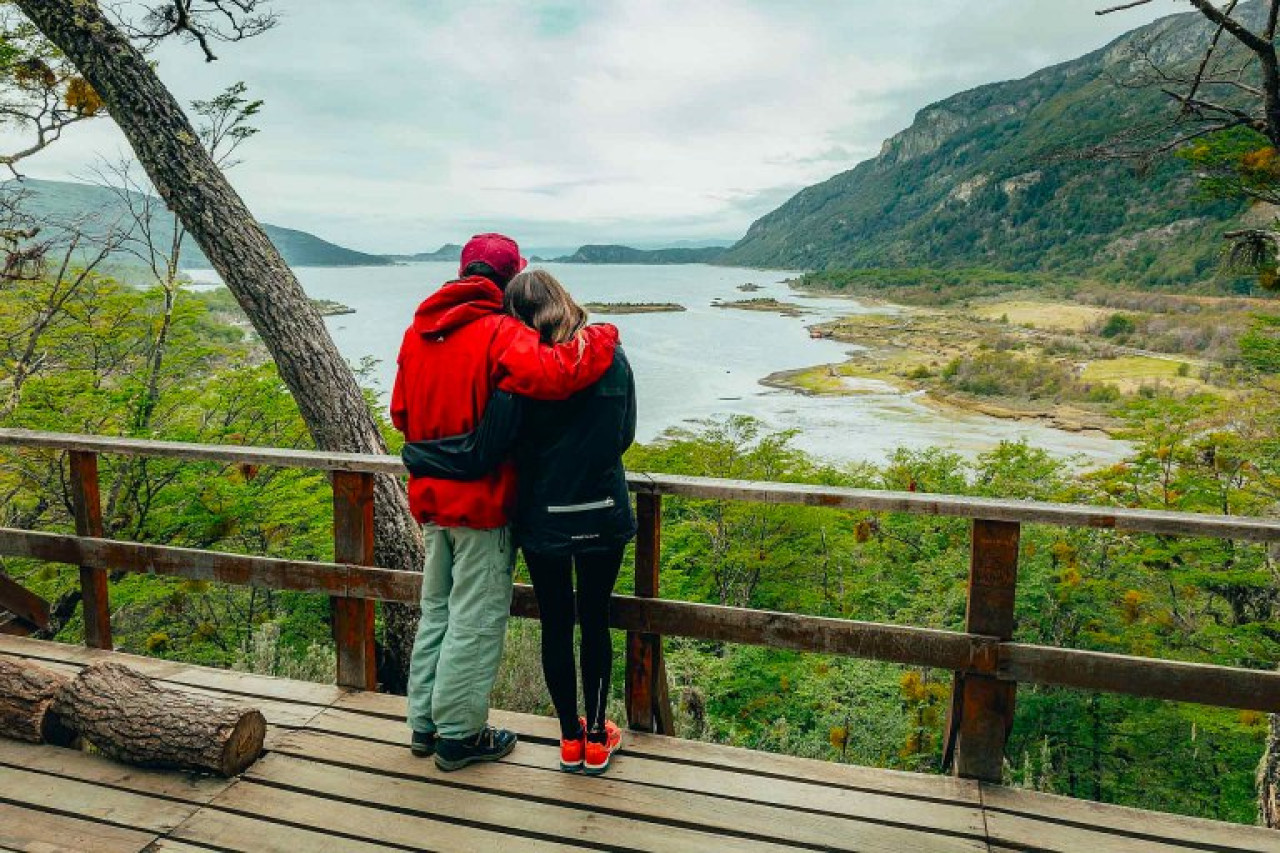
x: 571, y: 487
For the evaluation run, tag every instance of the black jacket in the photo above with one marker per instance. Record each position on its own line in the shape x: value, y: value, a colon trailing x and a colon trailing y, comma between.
x: 571, y: 487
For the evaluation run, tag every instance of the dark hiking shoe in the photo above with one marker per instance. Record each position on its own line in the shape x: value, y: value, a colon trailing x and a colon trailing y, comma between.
x: 489, y: 745
x: 423, y: 744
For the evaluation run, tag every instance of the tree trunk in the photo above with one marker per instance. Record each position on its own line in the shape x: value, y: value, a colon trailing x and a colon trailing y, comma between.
x: 195, y: 189
x: 1269, y: 778
x: 127, y: 717
x: 27, y: 692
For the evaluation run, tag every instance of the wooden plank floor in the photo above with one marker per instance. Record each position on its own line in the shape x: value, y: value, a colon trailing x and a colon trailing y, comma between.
x: 338, y: 776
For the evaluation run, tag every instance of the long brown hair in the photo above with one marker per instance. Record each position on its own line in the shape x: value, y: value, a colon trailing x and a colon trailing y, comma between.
x: 535, y: 298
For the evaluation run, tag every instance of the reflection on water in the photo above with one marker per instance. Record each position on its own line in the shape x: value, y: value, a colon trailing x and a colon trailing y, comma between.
x: 704, y: 362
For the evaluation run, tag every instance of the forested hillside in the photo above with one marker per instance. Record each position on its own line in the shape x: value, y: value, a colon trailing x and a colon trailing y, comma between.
x: 995, y: 177
x: 99, y: 208
x: 595, y: 254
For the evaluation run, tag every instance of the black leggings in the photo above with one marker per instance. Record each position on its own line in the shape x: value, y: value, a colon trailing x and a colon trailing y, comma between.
x: 553, y: 584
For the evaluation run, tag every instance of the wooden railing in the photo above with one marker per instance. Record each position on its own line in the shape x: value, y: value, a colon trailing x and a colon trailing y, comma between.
x: 988, y: 666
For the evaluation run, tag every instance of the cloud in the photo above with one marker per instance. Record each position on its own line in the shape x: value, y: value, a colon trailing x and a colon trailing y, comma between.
x: 618, y: 120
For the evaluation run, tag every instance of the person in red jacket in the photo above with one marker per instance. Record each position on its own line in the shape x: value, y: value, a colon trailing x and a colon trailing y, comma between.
x: 461, y: 347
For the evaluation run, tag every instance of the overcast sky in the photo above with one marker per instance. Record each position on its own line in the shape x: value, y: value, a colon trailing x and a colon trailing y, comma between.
x: 398, y: 125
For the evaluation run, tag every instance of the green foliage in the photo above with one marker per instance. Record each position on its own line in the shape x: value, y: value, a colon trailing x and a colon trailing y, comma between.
x: 1006, y: 374
x: 1235, y: 164
x: 928, y: 285
x: 1260, y: 346
x: 1118, y: 326
x: 78, y: 357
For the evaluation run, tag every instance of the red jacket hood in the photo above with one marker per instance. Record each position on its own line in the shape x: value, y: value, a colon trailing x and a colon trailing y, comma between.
x: 456, y: 304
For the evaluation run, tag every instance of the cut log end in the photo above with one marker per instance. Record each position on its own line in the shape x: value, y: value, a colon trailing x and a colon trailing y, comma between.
x: 27, y: 692
x: 245, y: 743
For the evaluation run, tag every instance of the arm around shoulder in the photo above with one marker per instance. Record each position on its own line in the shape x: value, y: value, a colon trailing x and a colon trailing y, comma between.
x: 526, y: 366
x: 471, y: 455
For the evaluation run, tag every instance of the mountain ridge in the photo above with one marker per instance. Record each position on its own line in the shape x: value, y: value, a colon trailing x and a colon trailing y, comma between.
x: 598, y: 253
x: 993, y: 176
x: 97, y: 207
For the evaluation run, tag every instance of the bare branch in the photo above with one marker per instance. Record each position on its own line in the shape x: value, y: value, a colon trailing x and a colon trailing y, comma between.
x: 1208, y: 55
x: 1198, y: 106
x: 1121, y: 7
x: 199, y: 21
x: 1243, y: 34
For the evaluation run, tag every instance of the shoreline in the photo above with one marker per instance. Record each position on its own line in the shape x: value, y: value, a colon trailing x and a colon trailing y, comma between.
x: 1060, y: 417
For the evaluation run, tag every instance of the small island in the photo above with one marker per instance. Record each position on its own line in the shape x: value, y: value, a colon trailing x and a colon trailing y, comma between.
x: 329, y: 308
x: 633, y: 307
x: 762, y: 303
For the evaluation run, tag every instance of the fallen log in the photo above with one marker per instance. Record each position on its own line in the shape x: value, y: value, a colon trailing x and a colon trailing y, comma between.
x: 27, y: 691
x: 128, y: 717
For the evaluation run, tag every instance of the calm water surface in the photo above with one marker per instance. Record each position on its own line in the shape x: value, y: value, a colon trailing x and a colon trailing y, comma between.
x: 705, y: 362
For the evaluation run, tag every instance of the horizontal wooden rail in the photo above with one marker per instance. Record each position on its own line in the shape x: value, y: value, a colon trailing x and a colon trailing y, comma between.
x: 229, y: 454
x: 1243, y: 528
x: 1153, y: 678
x: 967, y: 653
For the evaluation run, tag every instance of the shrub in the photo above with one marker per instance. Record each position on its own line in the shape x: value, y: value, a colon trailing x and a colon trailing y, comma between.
x: 1003, y: 374
x: 1118, y: 325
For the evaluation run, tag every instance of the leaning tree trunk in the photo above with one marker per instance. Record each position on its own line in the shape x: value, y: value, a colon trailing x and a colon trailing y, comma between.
x: 1269, y: 777
x: 196, y: 190
x: 27, y: 691
x: 127, y: 717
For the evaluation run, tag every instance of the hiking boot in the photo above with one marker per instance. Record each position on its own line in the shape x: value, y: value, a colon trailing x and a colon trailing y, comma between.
x: 489, y: 744
x: 423, y: 744
x: 573, y: 749
x: 600, y: 748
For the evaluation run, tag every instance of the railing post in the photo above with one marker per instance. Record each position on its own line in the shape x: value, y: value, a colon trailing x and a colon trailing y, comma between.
x: 982, y: 713
x: 87, y: 505
x: 648, y: 705
x: 353, y: 543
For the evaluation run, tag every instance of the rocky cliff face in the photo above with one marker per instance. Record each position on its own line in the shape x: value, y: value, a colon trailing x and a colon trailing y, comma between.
x: 993, y: 177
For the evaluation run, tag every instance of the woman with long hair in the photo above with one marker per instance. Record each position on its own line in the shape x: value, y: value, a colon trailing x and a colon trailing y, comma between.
x: 573, y: 515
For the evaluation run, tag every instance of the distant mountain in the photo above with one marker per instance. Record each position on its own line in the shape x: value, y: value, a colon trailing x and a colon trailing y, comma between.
x: 447, y: 252
x: 596, y: 254
x: 99, y: 207
x: 992, y: 177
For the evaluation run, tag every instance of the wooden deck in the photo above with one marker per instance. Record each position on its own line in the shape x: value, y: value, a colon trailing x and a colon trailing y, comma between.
x: 338, y: 776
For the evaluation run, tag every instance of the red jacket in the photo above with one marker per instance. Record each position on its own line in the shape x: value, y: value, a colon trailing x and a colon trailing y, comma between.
x: 462, y: 346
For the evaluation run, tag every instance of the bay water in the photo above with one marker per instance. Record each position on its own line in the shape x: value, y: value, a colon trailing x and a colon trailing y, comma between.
x: 707, y: 361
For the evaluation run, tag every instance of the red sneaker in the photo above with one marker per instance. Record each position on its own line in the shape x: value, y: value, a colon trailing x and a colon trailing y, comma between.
x: 571, y: 751
x: 599, y: 754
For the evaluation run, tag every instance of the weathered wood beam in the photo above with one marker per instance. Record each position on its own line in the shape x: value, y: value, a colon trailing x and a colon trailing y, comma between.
x: 95, y: 600
x: 231, y: 454
x: 982, y: 715
x: 1154, y: 678
x: 992, y: 509
x: 23, y: 603
x: 240, y: 569
x: 648, y: 703
x: 353, y: 618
